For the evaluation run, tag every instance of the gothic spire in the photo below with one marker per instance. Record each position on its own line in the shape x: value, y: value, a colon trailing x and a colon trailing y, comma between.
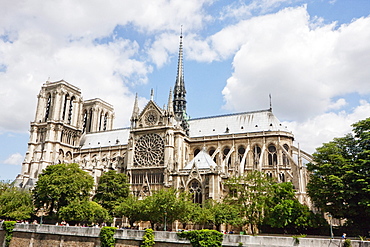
x: 170, y: 103
x: 135, y: 111
x: 179, y: 92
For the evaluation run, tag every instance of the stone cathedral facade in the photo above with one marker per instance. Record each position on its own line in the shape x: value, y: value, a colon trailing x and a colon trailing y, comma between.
x: 162, y: 148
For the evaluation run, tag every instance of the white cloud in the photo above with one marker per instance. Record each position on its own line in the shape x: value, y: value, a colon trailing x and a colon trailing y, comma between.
x: 323, y: 128
x: 57, y: 40
x: 14, y: 159
x: 302, y: 68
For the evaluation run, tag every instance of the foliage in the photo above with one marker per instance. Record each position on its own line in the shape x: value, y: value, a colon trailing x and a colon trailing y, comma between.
x: 164, y: 206
x: 296, y: 238
x: 61, y: 184
x: 222, y: 213
x: 85, y: 211
x: 286, y: 212
x: 148, y: 238
x: 203, y: 238
x: 347, y: 243
x: 132, y: 208
x: 112, y: 188
x: 107, y: 236
x: 250, y: 194
x: 8, y: 227
x: 340, y: 177
x: 15, y: 203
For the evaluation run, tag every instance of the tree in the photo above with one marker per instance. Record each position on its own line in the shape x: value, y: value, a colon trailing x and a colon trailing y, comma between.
x: 112, y: 188
x: 15, y: 203
x: 250, y: 194
x: 85, y: 211
x: 222, y: 213
x: 340, y: 177
x: 132, y: 208
x: 59, y: 185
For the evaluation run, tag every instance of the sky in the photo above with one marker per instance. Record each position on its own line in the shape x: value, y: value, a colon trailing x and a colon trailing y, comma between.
x: 312, y: 56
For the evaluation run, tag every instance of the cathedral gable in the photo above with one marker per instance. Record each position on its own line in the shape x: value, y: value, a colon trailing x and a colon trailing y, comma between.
x: 152, y: 115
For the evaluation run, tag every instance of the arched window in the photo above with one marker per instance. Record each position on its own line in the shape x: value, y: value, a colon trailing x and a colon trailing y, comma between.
x: 211, y: 152
x: 256, y: 154
x: 70, y: 110
x: 65, y: 107
x: 241, y: 152
x: 225, y: 153
x: 285, y: 157
x: 101, y: 120
x: 196, y: 151
x: 196, y: 190
x: 89, y: 121
x: 272, y: 155
x: 282, y: 177
x: 48, y: 107
x: 269, y: 174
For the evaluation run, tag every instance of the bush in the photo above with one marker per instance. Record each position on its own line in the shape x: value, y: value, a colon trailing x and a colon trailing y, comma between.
x: 203, y: 238
x: 106, y: 236
x: 148, y: 238
x: 8, y: 227
x: 347, y: 243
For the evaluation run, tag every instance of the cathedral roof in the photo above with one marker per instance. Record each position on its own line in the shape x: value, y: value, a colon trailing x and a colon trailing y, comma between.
x: 105, y: 138
x: 202, y: 161
x: 237, y: 123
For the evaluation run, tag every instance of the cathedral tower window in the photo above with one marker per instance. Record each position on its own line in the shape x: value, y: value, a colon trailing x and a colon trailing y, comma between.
x: 48, y: 108
x: 65, y: 107
x: 272, y: 155
x: 105, y: 121
x: 196, y: 190
x: 282, y: 177
x: 70, y: 110
x: 89, y: 121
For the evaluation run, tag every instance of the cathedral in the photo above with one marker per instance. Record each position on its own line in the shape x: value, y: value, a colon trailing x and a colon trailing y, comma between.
x: 162, y: 148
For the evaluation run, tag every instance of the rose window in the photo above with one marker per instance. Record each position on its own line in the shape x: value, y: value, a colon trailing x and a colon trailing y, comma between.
x: 149, y: 150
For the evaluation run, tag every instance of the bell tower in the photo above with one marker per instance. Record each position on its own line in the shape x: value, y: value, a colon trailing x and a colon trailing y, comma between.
x: 56, y: 130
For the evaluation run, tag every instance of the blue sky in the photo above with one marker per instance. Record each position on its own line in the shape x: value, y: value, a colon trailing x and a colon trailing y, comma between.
x: 312, y: 56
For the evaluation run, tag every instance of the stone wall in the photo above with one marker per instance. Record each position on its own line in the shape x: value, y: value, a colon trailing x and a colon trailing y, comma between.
x: 63, y: 236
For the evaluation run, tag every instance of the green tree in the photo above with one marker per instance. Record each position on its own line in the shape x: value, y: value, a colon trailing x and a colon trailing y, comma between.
x: 132, y: 208
x: 85, y: 211
x: 340, y: 177
x: 15, y: 203
x: 112, y: 188
x: 250, y: 194
x: 59, y: 185
x: 222, y: 213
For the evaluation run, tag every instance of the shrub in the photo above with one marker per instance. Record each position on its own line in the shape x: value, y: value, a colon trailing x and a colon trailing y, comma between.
x: 148, y: 238
x: 106, y: 236
x: 203, y: 238
x: 8, y: 227
x: 347, y: 243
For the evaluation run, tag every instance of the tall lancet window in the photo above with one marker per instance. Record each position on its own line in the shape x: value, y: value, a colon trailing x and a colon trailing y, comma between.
x: 70, y: 110
x: 272, y: 156
x: 105, y: 121
x: 48, y: 107
x: 196, y: 190
x: 65, y: 106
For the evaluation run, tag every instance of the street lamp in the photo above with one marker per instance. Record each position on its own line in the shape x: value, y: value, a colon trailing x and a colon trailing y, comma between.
x: 42, y: 214
x: 331, y: 226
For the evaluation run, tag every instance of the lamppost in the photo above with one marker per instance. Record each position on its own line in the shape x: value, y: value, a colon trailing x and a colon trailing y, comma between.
x: 165, y: 220
x: 331, y: 226
x: 42, y: 214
